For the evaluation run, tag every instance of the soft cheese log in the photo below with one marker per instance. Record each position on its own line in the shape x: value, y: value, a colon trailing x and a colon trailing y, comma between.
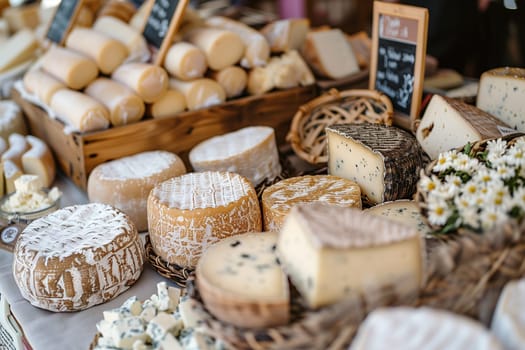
x: 11, y: 172
x: 508, y: 324
x: 18, y: 49
x: 257, y: 50
x: 449, y: 123
x: 251, y: 152
x: 147, y: 80
x: 405, y: 328
x: 42, y: 84
x: 125, y: 183
x: 185, y: 61
x: 77, y: 257
x: 38, y: 160
x: 17, y: 147
x: 501, y: 93
x: 125, y: 107
x: 108, y: 53
x: 330, y: 54
x: 200, y: 93
x: 11, y: 119
x: 222, y: 48
x: 235, y: 287
x: 385, y: 161
x: 233, y: 79
x: 123, y: 32
x: 404, y: 211
x: 188, y: 213
x: 171, y: 103
x: 80, y: 111
x: 278, y: 199
x: 330, y: 252
x: 72, y: 68
x: 286, y: 34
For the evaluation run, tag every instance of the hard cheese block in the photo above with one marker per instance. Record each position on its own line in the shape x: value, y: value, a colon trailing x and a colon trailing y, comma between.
x: 188, y: 213
x: 501, y: 93
x: 404, y: 328
x: 448, y: 123
x: 404, y: 211
x: 251, y: 152
x: 279, y: 199
x: 77, y: 257
x: 384, y: 161
x: 508, y: 323
x: 242, y: 283
x: 330, y: 252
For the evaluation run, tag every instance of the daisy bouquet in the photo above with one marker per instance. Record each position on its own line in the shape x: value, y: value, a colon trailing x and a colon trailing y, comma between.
x: 475, y: 188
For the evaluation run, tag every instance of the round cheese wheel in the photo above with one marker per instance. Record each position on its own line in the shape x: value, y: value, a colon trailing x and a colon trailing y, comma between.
x: 186, y: 214
x: 278, y: 199
x: 125, y: 183
x: 77, y: 257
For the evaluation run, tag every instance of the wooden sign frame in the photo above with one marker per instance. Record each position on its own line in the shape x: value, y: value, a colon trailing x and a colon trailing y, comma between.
x: 71, y: 21
x: 409, y: 13
x: 175, y: 22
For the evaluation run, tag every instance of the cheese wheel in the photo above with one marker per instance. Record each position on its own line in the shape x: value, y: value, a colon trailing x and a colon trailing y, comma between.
x: 42, y: 84
x: 72, y: 68
x: 237, y: 289
x: 77, y: 257
x: 147, y: 80
x: 200, y: 93
x: 278, y: 199
x: 124, y: 106
x: 222, y: 48
x: 80, y: 111
x: 123, y: 32
x: 108, y: 53
x: 125, y: 183
x: 11, y: 172
x: 38, y: 160
x: 171, y: 103
x: 188, y: 213
x: 251, y: 152
x: 286, y: 34
x: 17, y: 147
x: 233, y: 80
x: 185, y: 61
x: 257, y: 50
x: 11, y: 119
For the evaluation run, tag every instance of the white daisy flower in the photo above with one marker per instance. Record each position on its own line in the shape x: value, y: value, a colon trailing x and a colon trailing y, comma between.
x: 515, y: 156
x: 445, y: 160
x: 492, y: 216
x: 465, y: 163
x: 484, y: 176
x: 470, y: 217
x: 496, y: 148
x: 518, y: 197
x: 429, y: 184
x: 452, y: 185
x: 438, y: 211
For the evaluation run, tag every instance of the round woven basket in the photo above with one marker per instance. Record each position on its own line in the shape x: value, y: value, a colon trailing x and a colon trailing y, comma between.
x: 307, y: 136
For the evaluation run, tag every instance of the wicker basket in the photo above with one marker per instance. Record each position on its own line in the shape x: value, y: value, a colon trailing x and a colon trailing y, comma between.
x: 307, y: 136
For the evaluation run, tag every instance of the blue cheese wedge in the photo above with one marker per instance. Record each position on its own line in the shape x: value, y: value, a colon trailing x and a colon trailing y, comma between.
x: 404, y: 211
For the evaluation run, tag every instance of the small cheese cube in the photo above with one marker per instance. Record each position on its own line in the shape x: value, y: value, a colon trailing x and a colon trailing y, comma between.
x: 128, y: 330
x: 132, y: 305
x: 168, y: 342
x: 162, y: 324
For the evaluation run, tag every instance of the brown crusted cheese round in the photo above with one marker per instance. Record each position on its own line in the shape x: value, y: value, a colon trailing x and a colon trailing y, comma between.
x: 125, y: 183
x: 278, y: 199
x: 77, y: 257
x: 188, y: 213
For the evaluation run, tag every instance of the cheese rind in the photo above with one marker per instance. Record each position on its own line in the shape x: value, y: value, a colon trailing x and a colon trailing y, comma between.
x: 242, y: 283
x: 250, y: 152
x: 38, y: 160
x: 200, y: 93
x: 188, y: 213
x: 508, y: 324
x: 404, y: 211
x: 330, y: 251
x: 42, y: 84
x: 286, y: 34
x: 448, y: 124
x: 185, y: 61
x: 72, y: 68
x: 147, y: 80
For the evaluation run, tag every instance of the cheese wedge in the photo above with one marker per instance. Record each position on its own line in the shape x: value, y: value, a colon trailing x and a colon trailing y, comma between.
x: 404, y: 211
x: 38, y: 160
x: 286, y: 34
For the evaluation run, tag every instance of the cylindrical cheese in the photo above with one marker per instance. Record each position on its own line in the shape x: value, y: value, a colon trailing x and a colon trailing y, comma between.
x: 108, y: 53
x: 147, y: 80
x: 185, y: 61
x: 124, y: 105
x: 223, y: 48
x: 123, y: 32
x: 42, y: 85
x: 72, y: 68
x: 233, y: 79
x: 82, y: 112
x: 200, y: 93
x: 171, y: 103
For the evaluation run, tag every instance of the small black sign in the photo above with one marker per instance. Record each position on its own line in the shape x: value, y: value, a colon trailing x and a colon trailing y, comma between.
x: 159, y: 20
x: 62, y: 19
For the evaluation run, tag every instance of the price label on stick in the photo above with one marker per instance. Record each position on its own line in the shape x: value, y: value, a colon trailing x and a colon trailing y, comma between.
x: 399, y: 41
x: 63, y: 19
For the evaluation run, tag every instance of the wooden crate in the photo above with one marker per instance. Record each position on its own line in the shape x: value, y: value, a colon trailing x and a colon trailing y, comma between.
x: 78, y: 153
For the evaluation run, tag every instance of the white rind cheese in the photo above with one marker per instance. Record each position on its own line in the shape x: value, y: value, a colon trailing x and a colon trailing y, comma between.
x: 250, y: 152
x: 77, y: 257
x: 405, y: 328
x: 241, y: 281
x: 508, y: 324
x: 38, y: 160
x: 404, y: 211
x: 188, y: 213
x: 11, y: 119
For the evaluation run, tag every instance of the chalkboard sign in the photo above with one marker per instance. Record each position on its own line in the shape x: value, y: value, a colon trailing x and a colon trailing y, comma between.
x: 398, y: 54
x: 65, y: 14
x: 163, y: 20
